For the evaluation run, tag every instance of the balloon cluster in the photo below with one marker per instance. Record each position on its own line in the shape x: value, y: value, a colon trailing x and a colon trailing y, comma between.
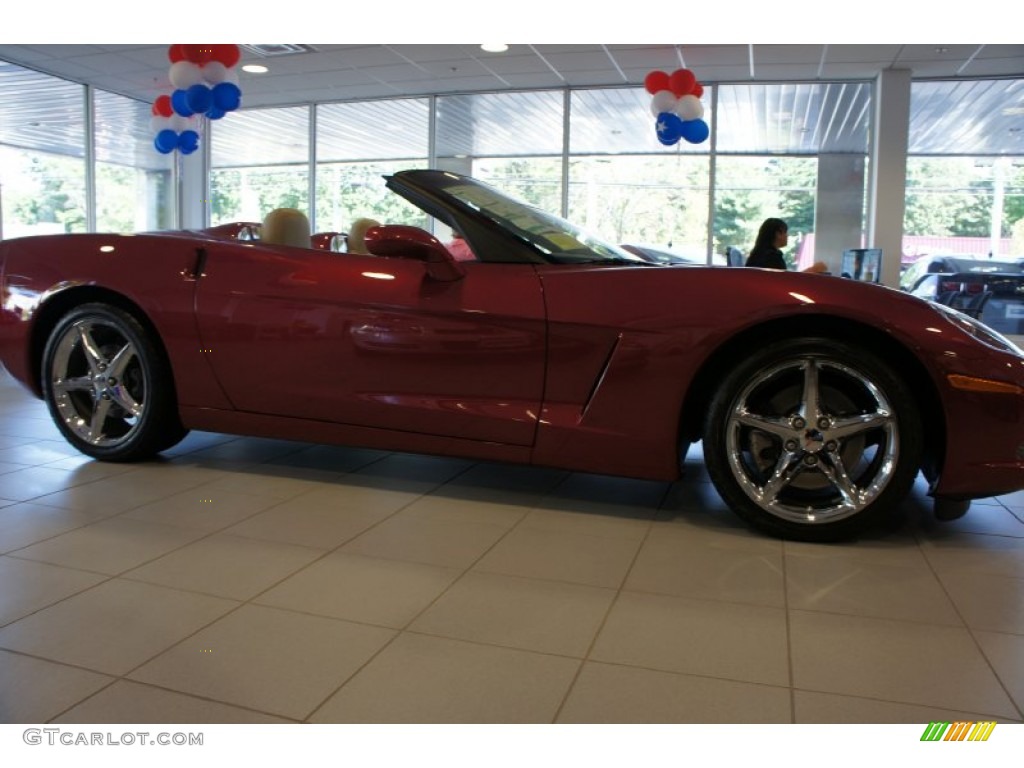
x: 676, y: 105
x: 205, y: 81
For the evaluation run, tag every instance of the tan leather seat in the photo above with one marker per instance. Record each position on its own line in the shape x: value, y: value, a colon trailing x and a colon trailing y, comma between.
x: 357, y: 235
x: 286, y: 226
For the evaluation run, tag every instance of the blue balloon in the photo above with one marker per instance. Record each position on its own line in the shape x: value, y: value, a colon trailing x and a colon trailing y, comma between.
x: 179, y: 103
x: 188, y: 142
x: 695, y: 131
x: 215, y: 113
x: 227, y: 96
x: 166, y: 141
x: 669, y: 127
x: 199, y: 97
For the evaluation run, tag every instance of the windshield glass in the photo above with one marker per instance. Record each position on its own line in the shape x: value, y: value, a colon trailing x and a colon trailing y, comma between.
x: 554, y: 238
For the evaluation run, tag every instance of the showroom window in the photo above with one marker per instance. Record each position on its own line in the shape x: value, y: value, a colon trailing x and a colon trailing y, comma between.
x: 627, y: 186
x: 511, y: 140
x: 44, y: 160
x: 134, y: 182
x: 965, y: 169
x: 43, y: 186
x: 795, y: 151
x: 357, y: 145
x: 259, y: 161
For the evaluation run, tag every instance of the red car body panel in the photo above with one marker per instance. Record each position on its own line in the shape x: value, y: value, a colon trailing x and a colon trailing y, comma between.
x: 583, y: 367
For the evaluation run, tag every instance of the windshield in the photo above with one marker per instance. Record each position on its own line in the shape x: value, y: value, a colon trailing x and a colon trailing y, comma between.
x: 554, y: 238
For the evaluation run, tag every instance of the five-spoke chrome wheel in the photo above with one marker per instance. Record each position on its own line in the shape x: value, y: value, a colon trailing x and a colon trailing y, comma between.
x: 812, y: 439
x: 107, y: 385
x: 99, y: 386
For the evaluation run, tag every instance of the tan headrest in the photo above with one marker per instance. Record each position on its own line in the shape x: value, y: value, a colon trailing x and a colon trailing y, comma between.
x: 357, y: 235
x: 286, y: 226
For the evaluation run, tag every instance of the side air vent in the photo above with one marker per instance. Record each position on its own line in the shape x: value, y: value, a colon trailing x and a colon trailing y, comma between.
x: 276, y: 49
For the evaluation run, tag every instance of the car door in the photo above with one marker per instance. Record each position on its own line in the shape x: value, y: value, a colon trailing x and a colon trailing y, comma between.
x: 375, y: 341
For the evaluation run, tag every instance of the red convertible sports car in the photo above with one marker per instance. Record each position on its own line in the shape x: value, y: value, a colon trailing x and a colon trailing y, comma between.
x: 817, y: 399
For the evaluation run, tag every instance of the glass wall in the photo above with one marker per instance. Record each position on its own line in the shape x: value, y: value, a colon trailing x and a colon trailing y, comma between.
x: 259, y: 161
x: 798, y: 151
x: 357, y: 145
x: 44, y: 154
x: 626, y: 185
x: 965, y: 170
x: 794, y: 151
x: 134, y: 189
x: 512, y: 140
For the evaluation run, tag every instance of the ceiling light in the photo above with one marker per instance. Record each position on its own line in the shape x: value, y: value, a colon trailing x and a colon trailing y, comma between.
x: 256, y: 69
x: 495, y: 47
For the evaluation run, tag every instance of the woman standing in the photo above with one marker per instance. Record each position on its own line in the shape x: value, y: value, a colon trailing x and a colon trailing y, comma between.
x: 767, y: 251
x: 771, y: 239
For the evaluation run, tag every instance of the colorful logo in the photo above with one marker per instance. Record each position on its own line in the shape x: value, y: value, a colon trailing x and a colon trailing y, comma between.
x: 958, y: 731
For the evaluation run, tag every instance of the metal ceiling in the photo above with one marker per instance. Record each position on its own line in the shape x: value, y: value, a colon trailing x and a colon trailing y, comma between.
x: 326, y: 73
x: 772, y: 98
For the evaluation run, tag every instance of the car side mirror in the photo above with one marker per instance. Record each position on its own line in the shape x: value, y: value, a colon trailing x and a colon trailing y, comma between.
x: 414, y: 243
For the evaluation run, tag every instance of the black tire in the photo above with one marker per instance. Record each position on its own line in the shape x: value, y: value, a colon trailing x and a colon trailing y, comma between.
x: 813, y: 440
x: 108, y: 386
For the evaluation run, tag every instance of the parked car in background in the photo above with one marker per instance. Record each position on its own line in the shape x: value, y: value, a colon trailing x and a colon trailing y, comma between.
x: 987, y: 289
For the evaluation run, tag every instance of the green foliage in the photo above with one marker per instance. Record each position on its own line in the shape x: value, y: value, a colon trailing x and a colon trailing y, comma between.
x: 349, y: 191
x: 752, y: 189
x: 645, y: 199
x: 51, y: 190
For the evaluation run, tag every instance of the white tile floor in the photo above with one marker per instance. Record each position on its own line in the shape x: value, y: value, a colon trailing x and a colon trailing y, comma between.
x: 244, y: 580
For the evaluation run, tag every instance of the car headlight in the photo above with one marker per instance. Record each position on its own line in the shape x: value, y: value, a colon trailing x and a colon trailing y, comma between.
x: 977, y: 329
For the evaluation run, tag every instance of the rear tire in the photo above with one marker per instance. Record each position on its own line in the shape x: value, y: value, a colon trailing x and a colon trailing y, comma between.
x: 813, y: 439
x: 108, y: 386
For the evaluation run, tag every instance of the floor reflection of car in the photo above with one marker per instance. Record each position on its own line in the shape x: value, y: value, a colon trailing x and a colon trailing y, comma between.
x: 666, y: 255
x: 988, y: 289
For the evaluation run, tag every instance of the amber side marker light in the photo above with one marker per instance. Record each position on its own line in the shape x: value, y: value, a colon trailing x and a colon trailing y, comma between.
x: 972, y: 384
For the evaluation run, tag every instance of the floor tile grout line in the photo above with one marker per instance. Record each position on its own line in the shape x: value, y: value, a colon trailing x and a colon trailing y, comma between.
x: 1019, y: 706
x: 654, y: 669
x: 405, y: 628
x: 608, y: 611
x: 790, y: 660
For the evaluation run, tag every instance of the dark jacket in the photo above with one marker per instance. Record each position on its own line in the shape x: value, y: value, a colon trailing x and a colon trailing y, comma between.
x: 767, y: 257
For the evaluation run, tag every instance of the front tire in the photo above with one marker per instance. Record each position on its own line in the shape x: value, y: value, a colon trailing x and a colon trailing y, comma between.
x: 108, y: 386
x: 813, y: 439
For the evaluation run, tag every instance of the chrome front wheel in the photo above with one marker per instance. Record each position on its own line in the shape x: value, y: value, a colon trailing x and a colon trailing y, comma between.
x: 812, y: 439
x: 107, y: 385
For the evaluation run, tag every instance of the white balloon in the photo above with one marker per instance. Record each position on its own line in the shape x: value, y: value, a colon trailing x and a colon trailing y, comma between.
x: 158, y: 123
x: 231, y: 76
x: 663, y: 101
x: 185, y: 74
x: 214, y: 72
x: 690, y: 108
x: 180, y: 123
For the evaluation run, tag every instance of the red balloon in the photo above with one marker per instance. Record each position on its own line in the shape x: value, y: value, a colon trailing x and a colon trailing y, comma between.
x: 656, y: 81
x: 228, y: 54
x: 681, y: 82
x: 176, y: 53
x: 162, y: 106
x: 698, y: 90
x: 198, y: 54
